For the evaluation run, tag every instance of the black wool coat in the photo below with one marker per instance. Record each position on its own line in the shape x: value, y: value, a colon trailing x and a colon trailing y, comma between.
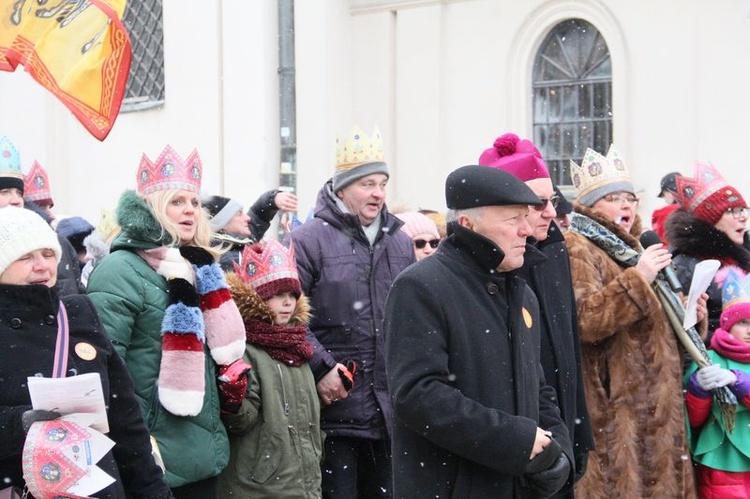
x: 546, y: 270
x: 28, y: 331
x: 462, y: 361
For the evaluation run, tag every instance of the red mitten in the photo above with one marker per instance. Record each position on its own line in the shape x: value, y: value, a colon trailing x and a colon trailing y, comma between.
x: 233, y: 381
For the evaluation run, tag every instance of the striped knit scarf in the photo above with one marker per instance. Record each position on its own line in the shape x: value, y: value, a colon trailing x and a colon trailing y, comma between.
x: 200, y: 310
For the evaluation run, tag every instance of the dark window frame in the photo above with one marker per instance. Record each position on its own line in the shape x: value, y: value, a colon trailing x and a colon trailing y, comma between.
x: 146, y: 87
x: 571, y: 96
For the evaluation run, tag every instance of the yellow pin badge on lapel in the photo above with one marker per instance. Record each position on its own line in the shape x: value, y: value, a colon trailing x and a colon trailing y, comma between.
x: 85, y: 351
x: 527, y: 317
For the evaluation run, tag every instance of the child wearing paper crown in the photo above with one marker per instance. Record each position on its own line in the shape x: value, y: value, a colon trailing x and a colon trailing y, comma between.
x: 166, y: 306
x: 722, y: 457
x: 276, y: 443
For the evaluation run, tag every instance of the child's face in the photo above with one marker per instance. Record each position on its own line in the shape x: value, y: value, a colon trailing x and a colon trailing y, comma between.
x: 282, y: 306
x: 741, y: 330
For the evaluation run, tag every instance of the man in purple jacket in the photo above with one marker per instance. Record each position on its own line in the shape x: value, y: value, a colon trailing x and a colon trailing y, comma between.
x: 348, y: 255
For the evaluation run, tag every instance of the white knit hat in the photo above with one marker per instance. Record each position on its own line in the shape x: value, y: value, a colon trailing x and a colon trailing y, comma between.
x: 23, y: 231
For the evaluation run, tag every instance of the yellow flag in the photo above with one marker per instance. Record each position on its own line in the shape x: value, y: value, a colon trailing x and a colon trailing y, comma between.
x: 77, y: 49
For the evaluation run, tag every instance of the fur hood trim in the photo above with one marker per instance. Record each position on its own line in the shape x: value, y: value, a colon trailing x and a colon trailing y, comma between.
x: 691, y: 236
x: 138, y: 221
x: 629, y: 238
x: 252, y: 306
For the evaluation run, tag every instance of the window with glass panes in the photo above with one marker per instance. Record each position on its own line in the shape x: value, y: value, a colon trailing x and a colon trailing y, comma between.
x: 572, y: 96
x: 145, y: 88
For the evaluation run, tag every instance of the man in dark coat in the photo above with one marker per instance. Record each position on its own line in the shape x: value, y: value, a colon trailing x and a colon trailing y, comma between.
x: 347, y: 256
x: 546, y: 270
x: 473, y: 416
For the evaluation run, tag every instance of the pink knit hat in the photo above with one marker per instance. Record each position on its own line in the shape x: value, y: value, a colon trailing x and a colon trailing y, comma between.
x: 415, y: 224
x: 518, y: 157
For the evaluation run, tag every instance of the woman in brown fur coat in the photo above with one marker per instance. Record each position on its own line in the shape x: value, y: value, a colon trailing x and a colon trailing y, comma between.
x: 631, y: 362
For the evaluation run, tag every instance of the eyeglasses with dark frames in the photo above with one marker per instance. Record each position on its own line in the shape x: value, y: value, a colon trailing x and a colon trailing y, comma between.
x: 554, y: 201
x: 421, y: 243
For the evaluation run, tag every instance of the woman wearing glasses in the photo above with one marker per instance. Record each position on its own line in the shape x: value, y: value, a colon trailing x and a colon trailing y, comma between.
x: 710, y: 224
x: 632, y: 368
x: 422, y: 231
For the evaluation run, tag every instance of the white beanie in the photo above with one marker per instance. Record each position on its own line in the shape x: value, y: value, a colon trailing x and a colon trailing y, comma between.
x: 23, y: 231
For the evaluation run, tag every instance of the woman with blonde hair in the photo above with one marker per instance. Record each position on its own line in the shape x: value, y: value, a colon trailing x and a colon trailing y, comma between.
x: 165, y: 305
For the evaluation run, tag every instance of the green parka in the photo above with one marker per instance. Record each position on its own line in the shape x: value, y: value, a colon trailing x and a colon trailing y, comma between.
x: 275, y: 438
x: 131, y: 299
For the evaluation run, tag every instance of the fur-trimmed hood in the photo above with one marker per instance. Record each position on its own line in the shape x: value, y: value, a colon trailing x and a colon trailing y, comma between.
x: 140, y: 229
x: 252, y: 306
x: 629, y: 238
x: 691, y: 236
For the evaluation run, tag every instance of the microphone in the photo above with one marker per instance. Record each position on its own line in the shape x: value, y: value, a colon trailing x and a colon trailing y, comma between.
x: 650, y: 238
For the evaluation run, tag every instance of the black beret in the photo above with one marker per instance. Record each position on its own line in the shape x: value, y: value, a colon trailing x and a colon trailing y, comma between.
x: 473, y: 185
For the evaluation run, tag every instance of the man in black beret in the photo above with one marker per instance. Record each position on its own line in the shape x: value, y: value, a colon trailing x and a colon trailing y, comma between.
x: 473, y: 415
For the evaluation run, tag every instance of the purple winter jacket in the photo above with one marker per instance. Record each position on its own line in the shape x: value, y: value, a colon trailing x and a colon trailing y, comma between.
x: 347, y: 282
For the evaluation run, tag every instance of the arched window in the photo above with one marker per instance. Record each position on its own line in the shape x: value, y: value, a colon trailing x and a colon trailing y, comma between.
x: 572, y: 98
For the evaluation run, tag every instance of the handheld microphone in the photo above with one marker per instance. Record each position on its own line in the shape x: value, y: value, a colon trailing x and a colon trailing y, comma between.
x: 650, y: 238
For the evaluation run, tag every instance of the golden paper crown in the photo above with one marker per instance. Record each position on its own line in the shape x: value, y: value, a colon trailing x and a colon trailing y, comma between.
x: 36, y: 184
x: 597, y: 172
x: 358, y: 148
x: 170, y: 171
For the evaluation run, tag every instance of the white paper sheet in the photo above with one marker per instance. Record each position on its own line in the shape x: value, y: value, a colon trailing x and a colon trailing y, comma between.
x: 702, y: 276
x: 75, y: 394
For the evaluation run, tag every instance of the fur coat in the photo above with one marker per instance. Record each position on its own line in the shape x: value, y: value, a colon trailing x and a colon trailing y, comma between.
x: 632, y: 376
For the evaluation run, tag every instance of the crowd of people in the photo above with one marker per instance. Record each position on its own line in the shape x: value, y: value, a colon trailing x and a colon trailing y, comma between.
x: 516, y: 345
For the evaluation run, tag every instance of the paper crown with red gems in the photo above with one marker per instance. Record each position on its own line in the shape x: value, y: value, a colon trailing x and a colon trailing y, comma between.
x: 36, y: 185
x: 270, y: 269
x: 170, y: 171
x: 707, y: 195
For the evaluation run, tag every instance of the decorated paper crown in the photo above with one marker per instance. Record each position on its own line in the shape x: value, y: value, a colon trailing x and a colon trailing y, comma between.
x: 170, y: 171
x: 36, y: 185
x: 269, y: 269
x: 358, y: 148
x: 735, y: 299
x: 10, y: 164
x: 600, y: 175
x: 707, y: 195
x: 107, y: 227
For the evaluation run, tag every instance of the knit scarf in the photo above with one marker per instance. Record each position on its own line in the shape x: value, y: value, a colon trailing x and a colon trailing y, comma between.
x: 604, y: 239
x: 285, y: 344
x: 200, y: 310
x: 730, y: 347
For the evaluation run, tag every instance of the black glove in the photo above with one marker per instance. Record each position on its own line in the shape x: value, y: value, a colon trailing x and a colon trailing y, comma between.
x: 347, y: 376
x: 197, y: 256
x: 544, y: 459
x: 548, y: 482
x: 30, y: 417
x: 582, y: 460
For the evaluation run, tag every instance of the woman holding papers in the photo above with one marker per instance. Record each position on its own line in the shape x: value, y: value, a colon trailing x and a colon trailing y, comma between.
x: 45, y: 335
x: 710, y: 224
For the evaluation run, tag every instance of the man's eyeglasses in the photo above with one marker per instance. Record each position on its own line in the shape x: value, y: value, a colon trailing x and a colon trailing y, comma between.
x: 554, y: 201
x: 619, y: 198
x: 421, y: 243
x: 738, y: 212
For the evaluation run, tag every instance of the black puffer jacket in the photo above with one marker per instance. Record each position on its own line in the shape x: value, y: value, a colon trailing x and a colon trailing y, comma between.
x: 28, y: 325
